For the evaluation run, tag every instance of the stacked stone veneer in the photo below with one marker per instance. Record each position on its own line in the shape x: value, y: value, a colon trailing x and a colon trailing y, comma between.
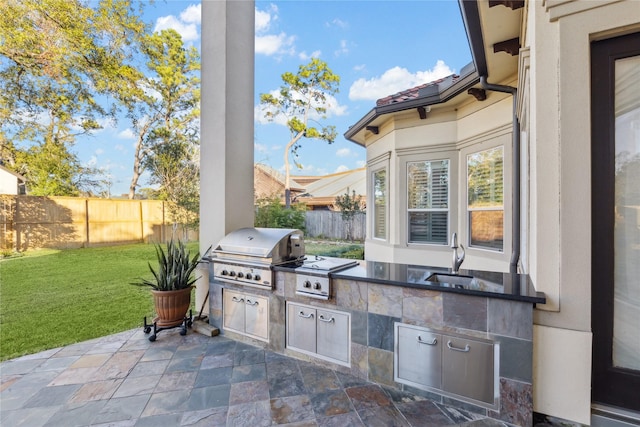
x: 374, y: 308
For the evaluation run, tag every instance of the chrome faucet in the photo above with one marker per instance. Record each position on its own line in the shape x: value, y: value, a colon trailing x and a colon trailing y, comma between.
x: 457, y: 260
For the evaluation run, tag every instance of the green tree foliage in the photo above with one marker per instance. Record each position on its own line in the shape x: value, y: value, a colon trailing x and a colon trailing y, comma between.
x: 302, y: 99
x: 349, y: 206
x: 164, y: 105
x: 270, y: 213
x: 56, y: 56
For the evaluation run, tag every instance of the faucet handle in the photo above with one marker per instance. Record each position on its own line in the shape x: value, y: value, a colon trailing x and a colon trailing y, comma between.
x: 454, y: 240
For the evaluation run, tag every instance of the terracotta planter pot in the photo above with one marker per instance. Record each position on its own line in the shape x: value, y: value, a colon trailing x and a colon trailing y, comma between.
x: 171, y: 306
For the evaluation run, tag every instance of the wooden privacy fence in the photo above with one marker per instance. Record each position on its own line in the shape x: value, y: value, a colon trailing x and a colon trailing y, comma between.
x: 330, y: 225
x: 29, y: 222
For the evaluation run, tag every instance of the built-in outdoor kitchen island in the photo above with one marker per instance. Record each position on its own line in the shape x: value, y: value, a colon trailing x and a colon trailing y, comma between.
x: 464, y: 340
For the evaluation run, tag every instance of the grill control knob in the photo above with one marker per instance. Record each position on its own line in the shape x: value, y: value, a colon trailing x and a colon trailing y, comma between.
x: 257, y: 277
x: 232, y: 273
x: 249, y: 276
x: 307, y: 284
x: 225, y: 273
x: 317, y: 285
x: 240, y: 275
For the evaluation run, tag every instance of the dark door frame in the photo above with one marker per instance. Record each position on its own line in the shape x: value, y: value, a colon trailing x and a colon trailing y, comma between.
x: 610, y: 385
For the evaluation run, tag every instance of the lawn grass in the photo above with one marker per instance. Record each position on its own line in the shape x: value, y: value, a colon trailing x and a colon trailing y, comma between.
x: 50, y: 299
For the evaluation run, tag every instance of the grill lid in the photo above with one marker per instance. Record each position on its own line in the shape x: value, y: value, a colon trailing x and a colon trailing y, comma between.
x: 278, y: 244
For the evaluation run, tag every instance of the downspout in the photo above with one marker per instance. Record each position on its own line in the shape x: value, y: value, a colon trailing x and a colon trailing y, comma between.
x: 515, y: 231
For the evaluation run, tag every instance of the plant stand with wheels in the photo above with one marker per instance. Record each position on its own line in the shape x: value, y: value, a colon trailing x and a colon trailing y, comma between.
x: 157, y: 327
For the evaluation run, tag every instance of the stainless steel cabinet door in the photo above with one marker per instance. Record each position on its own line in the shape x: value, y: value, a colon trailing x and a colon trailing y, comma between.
x: 333, y: 334
x: 468, y: 368
x: 418, y: 356
x: 233, y: 308
x: 301, y: 327
x: 257, y: 316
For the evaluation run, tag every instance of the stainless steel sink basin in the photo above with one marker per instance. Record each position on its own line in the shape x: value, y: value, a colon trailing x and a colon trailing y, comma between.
x: 455, y: 281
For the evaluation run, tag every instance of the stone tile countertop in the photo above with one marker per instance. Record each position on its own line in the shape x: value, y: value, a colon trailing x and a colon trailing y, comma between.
x: 510, y: 286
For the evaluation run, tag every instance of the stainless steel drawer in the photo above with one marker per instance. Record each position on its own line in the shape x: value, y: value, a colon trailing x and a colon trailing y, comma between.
x: 256, y: 320
x: 301, y: 327
x: 233, y: 305
x: 333, y: 334
x: 417, y: 356
x: 468, y: 368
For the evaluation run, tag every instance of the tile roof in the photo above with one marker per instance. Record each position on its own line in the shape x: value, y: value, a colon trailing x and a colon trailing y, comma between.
x: 435, y: 86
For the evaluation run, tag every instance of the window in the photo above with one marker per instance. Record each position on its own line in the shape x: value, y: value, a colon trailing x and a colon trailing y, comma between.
x: 380, y: 204
x: 485, y: 200
x: 428, y: 201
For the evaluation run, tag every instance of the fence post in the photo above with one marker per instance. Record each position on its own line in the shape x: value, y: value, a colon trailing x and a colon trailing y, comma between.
x: 86, y: 222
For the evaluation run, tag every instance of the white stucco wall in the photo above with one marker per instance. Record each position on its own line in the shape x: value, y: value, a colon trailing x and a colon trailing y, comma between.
x: 226, y: 147
x: 446, y: 132
x: 559, y: 35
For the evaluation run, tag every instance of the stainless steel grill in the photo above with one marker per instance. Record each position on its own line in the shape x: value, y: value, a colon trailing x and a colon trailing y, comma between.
x: 246, y: 256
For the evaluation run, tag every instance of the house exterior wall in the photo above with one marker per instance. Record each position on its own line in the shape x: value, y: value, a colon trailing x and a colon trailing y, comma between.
x: 445, y: 133
x: 557, y: 125
x: 8, y: 183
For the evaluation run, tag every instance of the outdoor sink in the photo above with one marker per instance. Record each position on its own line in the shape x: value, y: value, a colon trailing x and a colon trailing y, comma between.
x: 455, y: 281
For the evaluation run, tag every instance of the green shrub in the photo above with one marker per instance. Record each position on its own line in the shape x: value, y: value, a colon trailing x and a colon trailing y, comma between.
x: 271, y: 214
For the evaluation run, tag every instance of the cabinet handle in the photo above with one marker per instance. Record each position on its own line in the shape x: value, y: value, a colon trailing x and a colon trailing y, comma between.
x: 236, y: 299
x: 251, y: 303
x: 321, y: 317
x: 308, y: 316
x: 466, y: 348
x: 434, y: 342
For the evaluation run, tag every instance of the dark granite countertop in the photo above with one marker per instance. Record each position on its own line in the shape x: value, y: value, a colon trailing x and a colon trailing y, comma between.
x: 515, y: 287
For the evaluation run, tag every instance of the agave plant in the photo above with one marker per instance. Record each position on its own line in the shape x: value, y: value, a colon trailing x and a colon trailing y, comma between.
x: 175, y: 268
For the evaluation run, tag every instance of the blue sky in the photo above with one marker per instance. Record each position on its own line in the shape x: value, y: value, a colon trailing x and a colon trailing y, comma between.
x: 376, y: 47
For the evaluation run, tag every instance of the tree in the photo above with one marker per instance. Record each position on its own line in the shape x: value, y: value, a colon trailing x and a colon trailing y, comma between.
x: 55, y: 57
x: 163, y: 105
x: 302, y: 98
x: 349, y: 206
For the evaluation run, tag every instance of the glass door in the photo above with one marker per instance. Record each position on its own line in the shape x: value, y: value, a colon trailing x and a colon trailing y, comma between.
x: 616, y: 221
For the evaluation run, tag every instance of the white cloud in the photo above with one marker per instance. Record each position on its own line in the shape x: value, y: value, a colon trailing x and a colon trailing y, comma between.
x: 265, y: 17
x: 267, y: 42
x: 337, y: 22
x: 305, y: 57
x: 119, y: 147
x: 272, y: 44
x: 360, y: 67
x: 344, y: 152
x: 126, y: 134
x: 395, y: 80
x: 341, y: 168
x: 331, y: 104
x: 192, y: 14
x: 186, y: 25
x: 260, y: 148
x: 343, y: 49
x: 99, y: 151
x: 361, y: 163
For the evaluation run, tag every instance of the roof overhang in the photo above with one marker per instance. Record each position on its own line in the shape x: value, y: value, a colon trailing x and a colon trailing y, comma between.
x: 493, y: 30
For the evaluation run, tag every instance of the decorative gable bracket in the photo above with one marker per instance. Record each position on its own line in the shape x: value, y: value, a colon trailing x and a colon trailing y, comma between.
x: 510, y: 46
x: 513, y: 4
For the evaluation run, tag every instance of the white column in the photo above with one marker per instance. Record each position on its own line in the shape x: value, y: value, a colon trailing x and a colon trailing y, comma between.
x: 226, y: 128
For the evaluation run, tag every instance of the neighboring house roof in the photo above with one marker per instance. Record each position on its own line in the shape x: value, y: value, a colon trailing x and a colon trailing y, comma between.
x: 324, y: 189
x: 268, y: 182
x: 16, y: 174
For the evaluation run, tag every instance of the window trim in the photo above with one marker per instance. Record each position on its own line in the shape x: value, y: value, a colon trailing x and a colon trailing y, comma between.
x: 374, y: 166
x: 469, y: 210
x: 373, y: 173
x: 427, y: 155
